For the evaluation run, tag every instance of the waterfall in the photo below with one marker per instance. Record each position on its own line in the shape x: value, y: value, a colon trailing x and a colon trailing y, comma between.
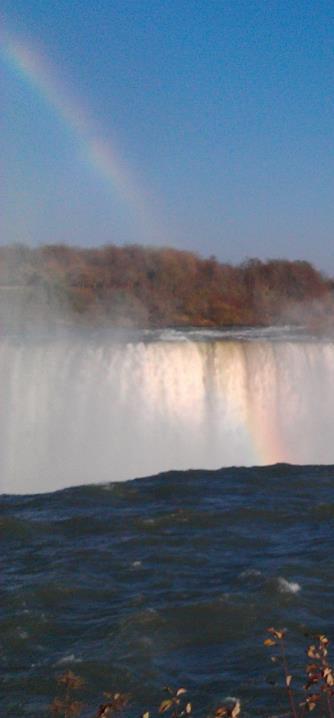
x: 77, y: 412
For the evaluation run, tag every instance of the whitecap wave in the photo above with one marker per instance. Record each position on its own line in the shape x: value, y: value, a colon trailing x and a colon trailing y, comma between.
x: 68, y: 659
x: 285, y: 586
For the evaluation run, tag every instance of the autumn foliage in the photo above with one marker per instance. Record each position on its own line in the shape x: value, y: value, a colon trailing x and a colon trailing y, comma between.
x: 311, y: 689
x: 317, y: 688
x: 149, y: 287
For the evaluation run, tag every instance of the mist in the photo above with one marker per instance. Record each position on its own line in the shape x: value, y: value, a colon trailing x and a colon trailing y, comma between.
x: 79, y: 410
x: 94, y: 389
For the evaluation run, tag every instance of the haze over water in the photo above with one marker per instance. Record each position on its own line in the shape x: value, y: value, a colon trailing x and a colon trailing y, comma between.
x: 94, y: 408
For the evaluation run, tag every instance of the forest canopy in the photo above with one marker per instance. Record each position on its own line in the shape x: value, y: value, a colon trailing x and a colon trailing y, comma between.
x: 137, y: 286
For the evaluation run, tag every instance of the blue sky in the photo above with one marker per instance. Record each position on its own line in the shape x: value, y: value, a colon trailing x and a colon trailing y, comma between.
x: 221, y: 114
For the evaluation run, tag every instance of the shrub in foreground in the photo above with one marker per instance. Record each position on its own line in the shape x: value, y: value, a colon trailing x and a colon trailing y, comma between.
x: 312, y: 691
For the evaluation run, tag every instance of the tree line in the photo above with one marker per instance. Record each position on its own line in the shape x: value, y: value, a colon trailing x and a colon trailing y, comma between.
x: 140, y: 286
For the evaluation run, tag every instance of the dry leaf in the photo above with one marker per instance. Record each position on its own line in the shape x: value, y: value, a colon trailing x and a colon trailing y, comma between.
x: 165, y: 705
x: 235, y: 710
x: 221, y: 711
x: 323, y: 639
x: 279, y: 634
x: 311, y: 701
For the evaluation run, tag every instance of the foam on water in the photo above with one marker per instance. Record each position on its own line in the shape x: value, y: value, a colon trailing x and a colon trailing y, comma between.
x: 65, y: 660
x: 285, y: 586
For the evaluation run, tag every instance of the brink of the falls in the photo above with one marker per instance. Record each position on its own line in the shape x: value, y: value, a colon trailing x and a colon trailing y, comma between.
x: 78, y: 412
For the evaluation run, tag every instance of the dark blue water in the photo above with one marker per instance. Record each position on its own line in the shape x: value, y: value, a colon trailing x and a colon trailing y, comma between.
x: 166, y: 580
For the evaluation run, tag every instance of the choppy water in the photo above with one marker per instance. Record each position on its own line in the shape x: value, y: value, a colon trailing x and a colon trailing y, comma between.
x: 171, y: 579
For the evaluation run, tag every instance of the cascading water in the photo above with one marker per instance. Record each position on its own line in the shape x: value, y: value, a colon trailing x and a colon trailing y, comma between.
x: 78, y: 412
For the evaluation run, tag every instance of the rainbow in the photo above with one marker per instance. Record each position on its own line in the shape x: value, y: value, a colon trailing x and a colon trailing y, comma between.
x: 36, y: 70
